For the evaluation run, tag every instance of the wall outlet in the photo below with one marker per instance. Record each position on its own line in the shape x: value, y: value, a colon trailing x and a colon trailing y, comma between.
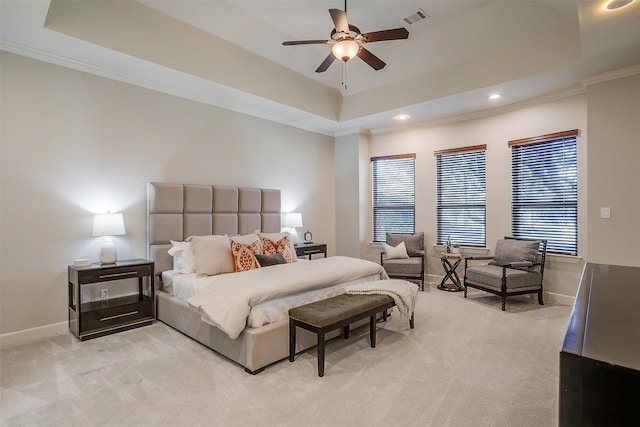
x: 104, y: 294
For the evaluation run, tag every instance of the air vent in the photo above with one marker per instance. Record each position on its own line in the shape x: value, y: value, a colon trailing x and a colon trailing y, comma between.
x: 416, y: 16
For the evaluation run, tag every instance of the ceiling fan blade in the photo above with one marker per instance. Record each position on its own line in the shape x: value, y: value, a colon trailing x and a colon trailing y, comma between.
x: 378, y: 36
x: 295, y: 42
x: 373, y: 61
x: 326, y: 63
x: 339, y: 20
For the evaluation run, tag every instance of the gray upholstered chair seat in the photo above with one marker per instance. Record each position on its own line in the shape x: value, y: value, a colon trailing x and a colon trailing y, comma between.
x: 491, y: 276
x: 407, y: 266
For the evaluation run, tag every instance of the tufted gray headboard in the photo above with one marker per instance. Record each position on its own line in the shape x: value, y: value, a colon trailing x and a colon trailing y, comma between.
x: 177, y: 211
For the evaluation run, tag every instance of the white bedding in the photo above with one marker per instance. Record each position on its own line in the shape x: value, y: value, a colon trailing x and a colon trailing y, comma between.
x: 269, y: 311
x: 226, y: 300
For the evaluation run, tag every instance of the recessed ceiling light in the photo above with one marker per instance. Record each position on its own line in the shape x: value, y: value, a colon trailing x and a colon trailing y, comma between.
x: 402, y: 117
x: 617, y: 4
x: 494, y: 96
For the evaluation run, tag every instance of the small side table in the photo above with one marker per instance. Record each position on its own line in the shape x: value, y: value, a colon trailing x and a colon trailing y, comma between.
x: 450, y: 272
x: 308, y: 249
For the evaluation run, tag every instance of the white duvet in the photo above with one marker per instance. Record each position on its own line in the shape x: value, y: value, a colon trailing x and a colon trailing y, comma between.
x: 227, y: 299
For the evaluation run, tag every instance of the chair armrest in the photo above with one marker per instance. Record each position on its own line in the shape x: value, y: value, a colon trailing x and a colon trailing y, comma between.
x: 519, y: 264
x: 478, y: 258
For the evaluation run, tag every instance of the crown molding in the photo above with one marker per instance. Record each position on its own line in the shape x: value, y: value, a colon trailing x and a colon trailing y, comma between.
x: 578, y: 90
x: 346, y: 132
x: 612, y: 75
x: 63, y: 61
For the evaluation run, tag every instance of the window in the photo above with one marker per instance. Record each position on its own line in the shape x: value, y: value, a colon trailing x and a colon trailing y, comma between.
x: 461, y: 195
x: 544, y: 190
x: 393, y: 182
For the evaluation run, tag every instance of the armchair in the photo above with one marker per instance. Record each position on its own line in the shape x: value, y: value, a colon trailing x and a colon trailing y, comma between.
x: 516, y: 268
x: 403, y: 257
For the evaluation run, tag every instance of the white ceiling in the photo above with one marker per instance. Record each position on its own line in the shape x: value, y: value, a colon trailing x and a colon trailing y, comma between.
x: 230, y: 54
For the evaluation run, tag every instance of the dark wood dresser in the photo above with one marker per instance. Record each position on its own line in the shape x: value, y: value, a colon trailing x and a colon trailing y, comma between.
x: 600, y: 357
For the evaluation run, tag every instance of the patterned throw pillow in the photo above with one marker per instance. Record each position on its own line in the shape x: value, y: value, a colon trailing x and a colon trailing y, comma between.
x: 282, y: 246
x: 244, y: 255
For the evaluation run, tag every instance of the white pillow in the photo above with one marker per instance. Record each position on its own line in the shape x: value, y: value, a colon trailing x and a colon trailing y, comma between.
x: 212, y: 254
x: 184, y: 262
x: 274, y: 237
x: 397, y: 252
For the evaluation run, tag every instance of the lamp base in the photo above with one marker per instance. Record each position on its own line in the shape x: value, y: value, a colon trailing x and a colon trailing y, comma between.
x: 108, y: 254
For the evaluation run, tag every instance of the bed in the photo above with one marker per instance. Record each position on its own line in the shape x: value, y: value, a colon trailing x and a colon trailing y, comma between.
x: 177, y: 211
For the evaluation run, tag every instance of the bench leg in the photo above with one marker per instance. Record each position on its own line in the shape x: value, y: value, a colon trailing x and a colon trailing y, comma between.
x: 292, y: 340
x: 321, y: 354
x: 372, y: 330
x: 345, y: 332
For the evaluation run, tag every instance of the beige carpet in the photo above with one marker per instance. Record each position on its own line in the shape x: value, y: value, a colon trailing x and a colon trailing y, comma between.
x: 465, y: 364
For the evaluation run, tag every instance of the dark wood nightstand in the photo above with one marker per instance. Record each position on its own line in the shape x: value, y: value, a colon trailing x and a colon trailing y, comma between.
x: 308, y: 249
x: 94, y: 319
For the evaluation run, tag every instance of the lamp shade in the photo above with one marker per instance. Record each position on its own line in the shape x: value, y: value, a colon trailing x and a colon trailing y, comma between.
x: 109, y: 224
x: 292, y: 219
x: 345, y: 49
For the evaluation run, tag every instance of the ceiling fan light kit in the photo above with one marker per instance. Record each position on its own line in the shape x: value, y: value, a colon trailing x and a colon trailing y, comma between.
x: 347, y: 41
x: 345, y: 50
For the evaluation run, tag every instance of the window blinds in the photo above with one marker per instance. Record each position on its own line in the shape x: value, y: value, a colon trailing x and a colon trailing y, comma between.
x: 461, y: 195
x: 393, y: 185
x: 544, y: 190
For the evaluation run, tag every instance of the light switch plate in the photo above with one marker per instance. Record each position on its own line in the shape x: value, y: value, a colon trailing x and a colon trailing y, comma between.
x: 605, y: 213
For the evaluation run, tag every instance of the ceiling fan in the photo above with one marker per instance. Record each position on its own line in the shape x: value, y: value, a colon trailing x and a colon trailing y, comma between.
x: 347, y: 41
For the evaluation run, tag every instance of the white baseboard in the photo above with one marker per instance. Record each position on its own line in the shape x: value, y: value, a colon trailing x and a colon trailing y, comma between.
x: 28, y: 336
x: 559, y: 298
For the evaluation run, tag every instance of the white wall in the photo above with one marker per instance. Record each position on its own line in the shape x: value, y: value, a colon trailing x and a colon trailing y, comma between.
x: 561, y: 278
x: 74, y: 144
x: 353, y: 195
x: 614, y: 171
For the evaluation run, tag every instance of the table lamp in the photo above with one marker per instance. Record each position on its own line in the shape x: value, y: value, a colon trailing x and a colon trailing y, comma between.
x: 109, y: 224
x: 292, y: 220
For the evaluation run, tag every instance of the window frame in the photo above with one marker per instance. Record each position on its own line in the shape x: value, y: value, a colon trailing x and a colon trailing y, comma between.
x: 441, y: 234
x: 375, y: 207
x: 568, y: 202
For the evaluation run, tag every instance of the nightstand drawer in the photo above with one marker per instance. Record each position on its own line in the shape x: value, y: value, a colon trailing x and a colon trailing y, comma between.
x: 308, y: 249
x: 117, y: 312
x: 113, y: 273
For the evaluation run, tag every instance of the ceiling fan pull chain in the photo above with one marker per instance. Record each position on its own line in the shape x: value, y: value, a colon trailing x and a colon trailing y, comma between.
x: 344, y: 74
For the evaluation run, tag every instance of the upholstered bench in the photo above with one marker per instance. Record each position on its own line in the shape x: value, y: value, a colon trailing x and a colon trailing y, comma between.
x: 340, y: 311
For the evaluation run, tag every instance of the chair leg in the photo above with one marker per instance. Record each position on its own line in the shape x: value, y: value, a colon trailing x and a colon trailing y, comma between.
x: 465, y: 290
x: 504, y: 303
x: 540, y: 297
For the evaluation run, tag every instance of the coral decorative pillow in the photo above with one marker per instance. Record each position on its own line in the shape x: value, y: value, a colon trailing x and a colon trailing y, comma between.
x: 244, y: 255
x: 274, y: 237
x: 282, y: 246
